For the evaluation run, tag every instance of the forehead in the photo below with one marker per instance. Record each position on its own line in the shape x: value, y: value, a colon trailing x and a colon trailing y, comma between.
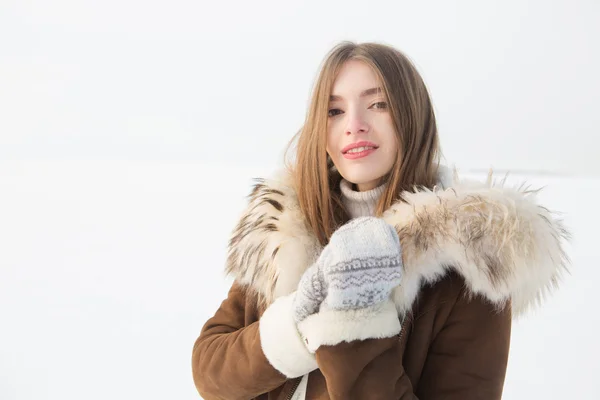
x: 354, y: 77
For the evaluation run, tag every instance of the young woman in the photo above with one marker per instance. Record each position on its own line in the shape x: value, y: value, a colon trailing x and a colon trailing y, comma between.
x: 367, y: 271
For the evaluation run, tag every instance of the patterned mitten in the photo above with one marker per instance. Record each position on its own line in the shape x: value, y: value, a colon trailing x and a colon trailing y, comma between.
x: 358, y: 268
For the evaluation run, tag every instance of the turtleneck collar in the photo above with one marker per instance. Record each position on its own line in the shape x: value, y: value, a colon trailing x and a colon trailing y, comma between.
x: 360, y: 204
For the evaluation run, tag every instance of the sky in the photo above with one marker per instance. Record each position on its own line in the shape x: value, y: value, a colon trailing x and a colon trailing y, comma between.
x: 130, y: 133
x: 514, y: 83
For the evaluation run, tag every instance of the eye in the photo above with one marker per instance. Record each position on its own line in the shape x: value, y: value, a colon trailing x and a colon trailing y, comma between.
x: 334, y: 111
x: 381, y: 105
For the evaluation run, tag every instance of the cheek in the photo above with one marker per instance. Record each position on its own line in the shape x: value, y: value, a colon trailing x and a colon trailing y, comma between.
x: 391, y: 136
x: 336, y: 135
x: 394, y: 149
x: 392, y: 142
x: 331, y: 144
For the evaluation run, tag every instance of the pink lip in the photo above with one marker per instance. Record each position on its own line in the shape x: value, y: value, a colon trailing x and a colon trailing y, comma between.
x: 354, y: 156
x: 359, y: 144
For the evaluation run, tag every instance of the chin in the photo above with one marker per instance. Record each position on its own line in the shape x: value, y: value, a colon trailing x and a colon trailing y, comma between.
x: 361, y: 177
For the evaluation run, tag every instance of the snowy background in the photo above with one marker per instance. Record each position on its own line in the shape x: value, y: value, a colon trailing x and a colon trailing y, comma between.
x: 130, y: 132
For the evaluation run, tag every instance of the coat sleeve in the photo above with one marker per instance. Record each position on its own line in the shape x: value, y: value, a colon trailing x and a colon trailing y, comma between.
x: 466, y: 360
x: 359, y: 352
x: 469, y: 356
x: 235, y: 360
x: 365, y: 369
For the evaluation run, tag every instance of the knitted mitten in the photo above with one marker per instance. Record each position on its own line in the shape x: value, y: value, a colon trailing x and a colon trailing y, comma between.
x: 358, y: 268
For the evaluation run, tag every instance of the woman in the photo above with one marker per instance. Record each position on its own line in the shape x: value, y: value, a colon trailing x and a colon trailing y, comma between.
x: 366, y: 270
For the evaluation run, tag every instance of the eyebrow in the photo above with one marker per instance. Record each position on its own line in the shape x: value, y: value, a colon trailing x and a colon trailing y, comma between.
x: 364, y: 93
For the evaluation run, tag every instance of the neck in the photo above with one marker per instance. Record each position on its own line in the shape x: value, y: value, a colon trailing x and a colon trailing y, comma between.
x: 360, y: 204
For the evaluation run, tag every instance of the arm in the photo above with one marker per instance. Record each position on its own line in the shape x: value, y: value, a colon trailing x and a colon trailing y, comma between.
x: 466, y: 360
x: 233, y: 361
x: 372, y: 366
x: 360, y: 354
x: 354, y: 333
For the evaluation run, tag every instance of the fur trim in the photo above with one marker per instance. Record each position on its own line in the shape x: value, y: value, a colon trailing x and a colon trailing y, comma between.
x: 281, y: 341
x: 272, y: 237
x: 505, y: 245
x: 330, y: 327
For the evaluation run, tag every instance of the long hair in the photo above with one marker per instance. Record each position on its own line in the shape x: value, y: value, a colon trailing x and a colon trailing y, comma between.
x: 418, y: 156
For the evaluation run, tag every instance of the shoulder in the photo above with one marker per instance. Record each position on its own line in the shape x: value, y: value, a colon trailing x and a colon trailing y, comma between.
x: 449, y: 301
x: 271, y: 245
x: 439, y: 296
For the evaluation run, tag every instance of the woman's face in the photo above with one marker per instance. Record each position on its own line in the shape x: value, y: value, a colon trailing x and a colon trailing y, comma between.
x: 361, y: 139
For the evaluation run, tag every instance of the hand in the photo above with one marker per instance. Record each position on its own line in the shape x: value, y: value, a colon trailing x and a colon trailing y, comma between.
x: 358, y: 268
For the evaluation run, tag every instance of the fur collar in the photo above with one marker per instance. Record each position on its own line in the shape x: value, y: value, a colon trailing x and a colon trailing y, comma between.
x: 505, y: 245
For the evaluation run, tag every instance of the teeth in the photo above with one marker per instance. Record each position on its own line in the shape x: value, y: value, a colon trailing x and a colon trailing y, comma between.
x: 359, y: 149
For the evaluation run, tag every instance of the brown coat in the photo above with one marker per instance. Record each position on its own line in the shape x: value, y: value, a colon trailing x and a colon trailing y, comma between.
x: 474, y: 256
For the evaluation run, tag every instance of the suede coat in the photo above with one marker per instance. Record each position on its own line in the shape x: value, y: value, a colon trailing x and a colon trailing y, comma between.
x: 475, y: 255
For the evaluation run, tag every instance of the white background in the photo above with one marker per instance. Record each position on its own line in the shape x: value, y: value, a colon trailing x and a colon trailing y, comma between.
x: 130, y: 132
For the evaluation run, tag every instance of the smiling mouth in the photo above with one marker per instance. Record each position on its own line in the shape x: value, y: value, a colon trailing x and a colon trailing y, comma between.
x: 360, y: 149
x: 357, y: 147
x: 359, y: 152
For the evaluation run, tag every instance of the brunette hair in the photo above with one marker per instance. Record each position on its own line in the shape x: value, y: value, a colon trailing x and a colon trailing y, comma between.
x: 315, y: 179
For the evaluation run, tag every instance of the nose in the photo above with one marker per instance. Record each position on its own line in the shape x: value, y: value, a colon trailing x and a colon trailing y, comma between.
x: 356, y: 123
